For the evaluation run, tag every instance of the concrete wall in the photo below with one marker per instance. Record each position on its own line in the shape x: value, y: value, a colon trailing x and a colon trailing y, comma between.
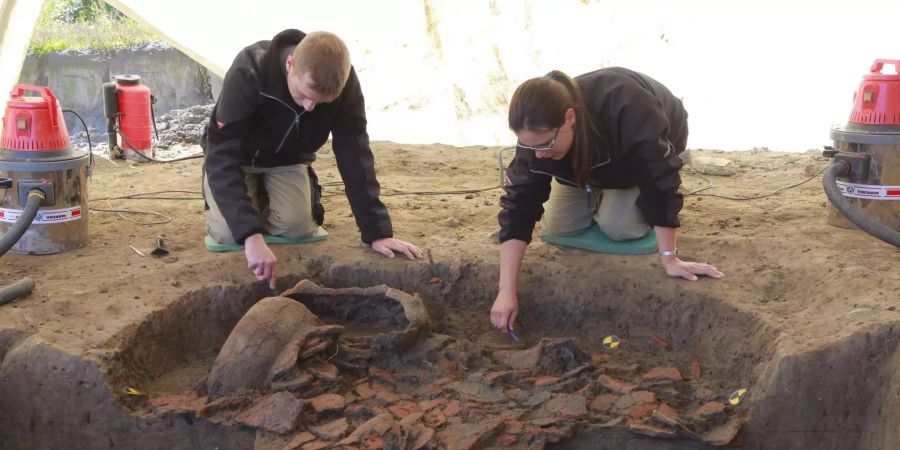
x: 174, y: 79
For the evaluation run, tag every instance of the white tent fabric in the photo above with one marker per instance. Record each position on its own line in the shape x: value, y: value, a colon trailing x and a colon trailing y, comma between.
x: 765, y: 73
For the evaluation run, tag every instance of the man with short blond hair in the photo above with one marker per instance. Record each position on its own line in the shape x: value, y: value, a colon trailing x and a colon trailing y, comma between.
x: 279, y: 102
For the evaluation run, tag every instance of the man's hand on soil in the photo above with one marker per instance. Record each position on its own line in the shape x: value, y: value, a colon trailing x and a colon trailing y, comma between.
x: 260, y: 259
x: 689, y: 270
x: 387, y: 247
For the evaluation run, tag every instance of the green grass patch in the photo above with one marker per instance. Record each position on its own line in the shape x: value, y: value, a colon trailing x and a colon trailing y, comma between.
x: 87, y: 26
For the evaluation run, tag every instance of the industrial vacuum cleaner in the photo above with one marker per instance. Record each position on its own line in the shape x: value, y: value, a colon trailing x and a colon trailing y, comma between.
x: 43, y: 182
x: 863, y: 181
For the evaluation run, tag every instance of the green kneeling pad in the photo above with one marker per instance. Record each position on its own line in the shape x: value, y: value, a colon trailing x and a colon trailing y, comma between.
x: 592, y: 239
x: 214, y: 246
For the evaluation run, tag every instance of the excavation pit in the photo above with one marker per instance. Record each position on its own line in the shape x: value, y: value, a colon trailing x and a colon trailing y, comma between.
x: 444, y: 378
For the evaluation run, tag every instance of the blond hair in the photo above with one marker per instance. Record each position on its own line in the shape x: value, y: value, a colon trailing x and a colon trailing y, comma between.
x: 325, y: 57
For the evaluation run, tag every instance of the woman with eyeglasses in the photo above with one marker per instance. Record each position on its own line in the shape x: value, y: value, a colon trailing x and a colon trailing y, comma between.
x: 604, y: 147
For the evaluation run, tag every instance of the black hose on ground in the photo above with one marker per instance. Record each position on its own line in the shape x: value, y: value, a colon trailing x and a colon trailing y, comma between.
x: 9, y: 239
x: 853, y: 214
x: 16, y: 290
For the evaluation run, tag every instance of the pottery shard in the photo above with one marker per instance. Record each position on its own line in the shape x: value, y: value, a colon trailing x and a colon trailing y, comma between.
x: 722, y: 434
x: 635, y: 398
x: 552, y: 356
x: 638, y: 427
x: 246, y: 358
x: 299, y: 439
x: 377, y: 305
x: 603, y: 402
x: 185, y: 403
x: 665, y: 415
x: 618, y: 386
x: 277, y: 413
x: 327, y: 403
x: 709, y: 412
x: 331, y: 431
x: 375, y: 426
x: 661, y: 375
x: 568, y: 405
x: 466, y: 436
x: 479, y: 392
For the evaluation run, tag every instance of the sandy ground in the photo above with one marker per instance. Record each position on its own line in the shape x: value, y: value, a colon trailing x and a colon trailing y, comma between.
x: 775, y: 251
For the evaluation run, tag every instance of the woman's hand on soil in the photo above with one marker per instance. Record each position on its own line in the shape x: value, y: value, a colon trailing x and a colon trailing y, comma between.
x: 260, y: 259
x: 689, y: 270
x: 387, y: 247
x: 504, y: 311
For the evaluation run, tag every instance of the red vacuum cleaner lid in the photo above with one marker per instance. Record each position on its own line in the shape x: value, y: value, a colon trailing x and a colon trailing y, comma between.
x: 877, y: 102
x: 33, y: 124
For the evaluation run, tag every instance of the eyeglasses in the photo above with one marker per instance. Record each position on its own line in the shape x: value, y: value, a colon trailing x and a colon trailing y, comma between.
x: 542, y: 147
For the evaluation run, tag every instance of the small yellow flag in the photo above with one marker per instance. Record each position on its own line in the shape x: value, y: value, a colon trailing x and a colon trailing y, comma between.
x: 611, y: 342
x: 737, y: 396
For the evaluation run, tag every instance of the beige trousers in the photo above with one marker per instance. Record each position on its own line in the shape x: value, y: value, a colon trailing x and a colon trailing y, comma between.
x: 281, y: 195
x: 570, y: 210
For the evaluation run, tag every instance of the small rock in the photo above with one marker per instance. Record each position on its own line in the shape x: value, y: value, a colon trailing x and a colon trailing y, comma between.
x: 603, y: 402
x: 710, y: 165
x: 639, y: 427
x: 621, y: 387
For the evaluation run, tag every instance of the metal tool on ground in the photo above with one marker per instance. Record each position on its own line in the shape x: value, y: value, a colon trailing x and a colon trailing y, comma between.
x: 160, y: 249
x: 863, y: 181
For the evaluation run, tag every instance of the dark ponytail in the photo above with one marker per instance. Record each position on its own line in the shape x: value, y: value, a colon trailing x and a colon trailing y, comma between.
x: 541, y: 103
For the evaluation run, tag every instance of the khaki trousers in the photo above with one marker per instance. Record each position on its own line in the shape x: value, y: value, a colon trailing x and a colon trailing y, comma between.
x: 282, y: 196
x: 571, y: 210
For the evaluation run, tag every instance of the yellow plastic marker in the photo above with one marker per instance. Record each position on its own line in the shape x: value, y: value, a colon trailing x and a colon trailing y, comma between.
x: 611, y: 342
x: 737, y: 396
x: 133, y: 391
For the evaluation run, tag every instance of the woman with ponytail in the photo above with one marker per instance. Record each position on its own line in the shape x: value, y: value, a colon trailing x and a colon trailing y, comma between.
x: 602, y: 148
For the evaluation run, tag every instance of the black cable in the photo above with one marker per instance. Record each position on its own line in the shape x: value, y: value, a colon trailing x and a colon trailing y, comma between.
x: 153, y: 117
x: 755, y: 197
x: 148, y: 158
x: 86, y: 133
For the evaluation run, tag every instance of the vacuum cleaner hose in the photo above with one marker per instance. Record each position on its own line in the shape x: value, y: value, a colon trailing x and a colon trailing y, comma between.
x: 852, y: 213
x: 18, y: 289
x: 9, y: 239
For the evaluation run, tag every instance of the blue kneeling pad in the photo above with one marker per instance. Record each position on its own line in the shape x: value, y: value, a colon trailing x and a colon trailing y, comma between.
x: 592, y: 239
x: 214, y: 246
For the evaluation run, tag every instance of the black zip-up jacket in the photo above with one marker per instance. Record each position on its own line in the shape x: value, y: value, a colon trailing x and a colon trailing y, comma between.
x: 265, y: 128
x: 646, y: 127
